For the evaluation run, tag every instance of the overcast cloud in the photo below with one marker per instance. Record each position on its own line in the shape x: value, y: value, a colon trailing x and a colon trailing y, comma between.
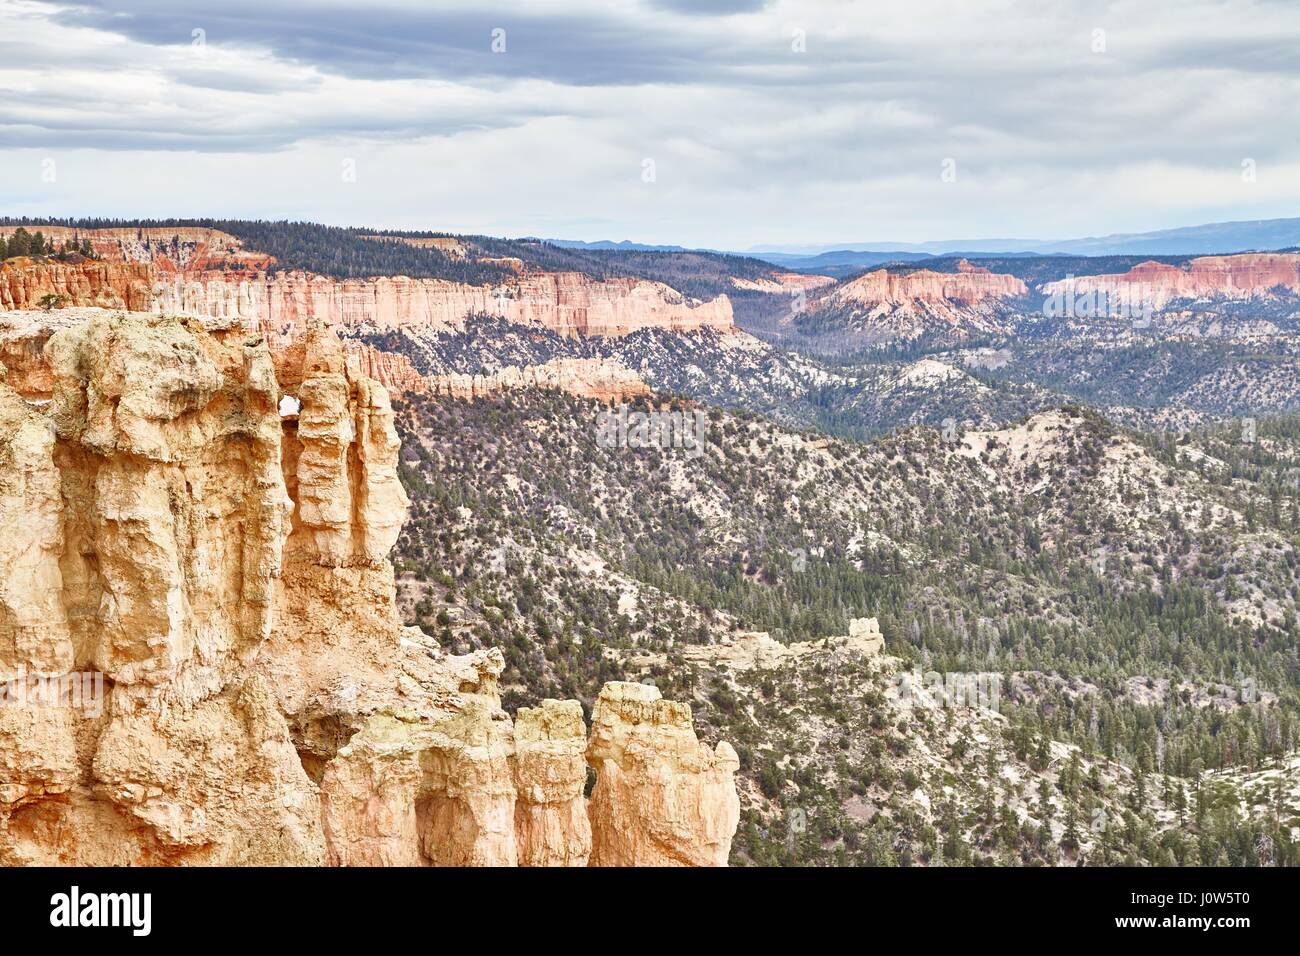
x: 762, y: 122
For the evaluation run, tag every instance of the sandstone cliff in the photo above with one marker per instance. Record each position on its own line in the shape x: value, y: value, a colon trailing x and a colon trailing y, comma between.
x: 183, y: 281
x: 662, y: 798
x: 569, y: 303
x: 201, y: 659
x: 884, y: 306
x: 1243, y: 276
x: 392, y: 370
x: 110, y: 285
x: 966, y: 287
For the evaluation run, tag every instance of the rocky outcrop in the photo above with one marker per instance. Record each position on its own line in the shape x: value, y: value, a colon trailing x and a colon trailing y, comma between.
x: 759, y: 650
x: 550, y: 771
x: 343, y: 458
x: 22, y: 353
x: 782, y: 282
x: 1244, y: 276
x: 882, y: 306
x: 33, y: 623
x: 110, y: 285
x: 201, y: 658
x: 601, y: 379
x: 214, y: 282
x: 886, y: 288
x: 157, y: 471
x: 661, y: 798
x: 431, y: 785
x: 392, y: 370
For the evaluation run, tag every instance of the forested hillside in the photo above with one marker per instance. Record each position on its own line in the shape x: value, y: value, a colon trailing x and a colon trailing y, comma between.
x: 1137, y: 596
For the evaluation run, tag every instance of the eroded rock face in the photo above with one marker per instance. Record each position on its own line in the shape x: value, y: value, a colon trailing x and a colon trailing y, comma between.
x: 33, y: 622
x: 662, y: 798
x: 884, y: 306
x: 448, y: 780
x: 1156, y: 284
x: 175, y: 511
x: 111, y: 285
x: 343, y: 457
x: 966, y: 286
x: 569, y: 303
x: 155, y: 473
x: 551, y: 825
x: 206, y: 273
x: 392, y: 370
x: 205, y: 582
x: 429, y: 785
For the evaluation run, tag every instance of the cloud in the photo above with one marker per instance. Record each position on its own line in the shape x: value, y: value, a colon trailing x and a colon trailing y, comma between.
x: 786, y: 121
x: 601, y: 44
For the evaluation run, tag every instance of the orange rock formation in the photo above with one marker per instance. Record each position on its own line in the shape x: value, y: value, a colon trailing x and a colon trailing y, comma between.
x: 966, y: 287
x: 565, y: 302
x: 1241, y: 276
x: 110, y: 285
x: 202, y: 580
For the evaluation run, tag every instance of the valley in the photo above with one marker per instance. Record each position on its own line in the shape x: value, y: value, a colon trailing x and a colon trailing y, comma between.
x: 962, y: 466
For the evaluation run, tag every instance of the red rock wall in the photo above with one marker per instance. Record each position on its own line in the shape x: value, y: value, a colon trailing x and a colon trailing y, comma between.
x: 1232, y: 277
x: 110, y: 285
x: 890, y: 288
x: 569, y: 303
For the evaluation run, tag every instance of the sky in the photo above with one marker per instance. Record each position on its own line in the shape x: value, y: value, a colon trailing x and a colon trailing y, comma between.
x: 725, y: 124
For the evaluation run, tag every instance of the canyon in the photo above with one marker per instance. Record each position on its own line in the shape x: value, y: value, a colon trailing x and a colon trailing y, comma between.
x: 200, y: 571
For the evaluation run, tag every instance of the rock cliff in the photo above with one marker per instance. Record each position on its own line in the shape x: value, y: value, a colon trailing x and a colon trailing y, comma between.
x: 392, y: 370
x: 884, y: 306
x: 200, y: 657
x: 194, y: 279
x: 965, y: 287
x: 111, y: 285
x: 662, y: 798
x: 1243, y: 276
x: 569, y: 303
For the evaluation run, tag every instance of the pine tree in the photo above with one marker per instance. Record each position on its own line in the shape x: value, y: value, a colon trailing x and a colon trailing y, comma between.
x: 20, y: 243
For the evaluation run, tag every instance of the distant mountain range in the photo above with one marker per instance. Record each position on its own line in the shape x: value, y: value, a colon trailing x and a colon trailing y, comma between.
x: 623, y: 245
x: 844, y: 258
x: 1243, y: 236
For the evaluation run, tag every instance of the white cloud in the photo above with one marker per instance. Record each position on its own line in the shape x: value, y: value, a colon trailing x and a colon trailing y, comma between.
x: 753, y: 142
